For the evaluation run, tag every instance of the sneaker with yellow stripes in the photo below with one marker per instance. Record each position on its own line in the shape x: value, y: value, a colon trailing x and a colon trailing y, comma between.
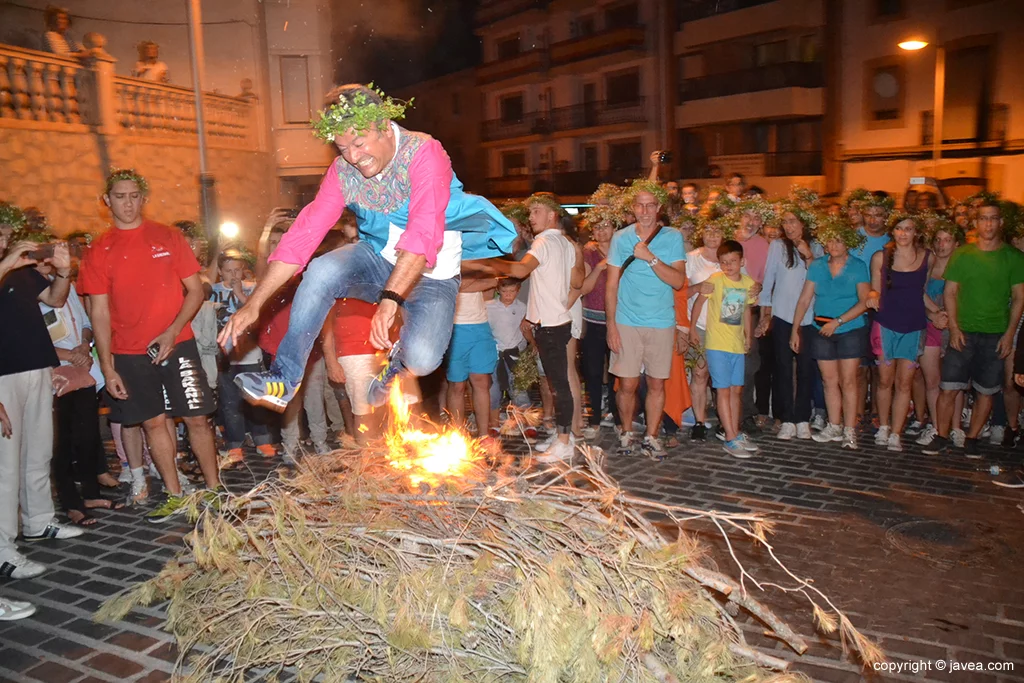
x: 268, y: 388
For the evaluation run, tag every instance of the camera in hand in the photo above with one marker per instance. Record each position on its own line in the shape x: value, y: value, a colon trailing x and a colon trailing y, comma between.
x: 45, y: 250
x: 665, y: 157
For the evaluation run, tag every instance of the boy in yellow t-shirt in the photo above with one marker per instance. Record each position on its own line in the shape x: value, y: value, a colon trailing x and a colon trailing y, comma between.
x: 729, y: 336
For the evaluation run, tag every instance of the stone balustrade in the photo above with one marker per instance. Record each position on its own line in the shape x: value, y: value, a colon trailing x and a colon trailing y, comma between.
x: 39, y: 87
x: 43, y: 91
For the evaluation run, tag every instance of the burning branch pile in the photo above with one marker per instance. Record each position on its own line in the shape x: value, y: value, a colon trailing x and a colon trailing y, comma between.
x: 406, y: 562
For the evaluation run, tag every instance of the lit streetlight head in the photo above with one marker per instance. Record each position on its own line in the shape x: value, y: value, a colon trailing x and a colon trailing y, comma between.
x: 913, y: 44
x: 229, y: 229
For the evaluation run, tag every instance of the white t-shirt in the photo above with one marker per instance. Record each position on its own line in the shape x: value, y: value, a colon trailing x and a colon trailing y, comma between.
x: 550, y: 281
x: 505, y: 321
x: 66, y: 326
x: 470, y: 308
x: 699, y: 269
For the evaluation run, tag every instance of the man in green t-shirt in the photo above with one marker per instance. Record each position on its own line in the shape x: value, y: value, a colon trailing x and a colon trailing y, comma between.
x: 984, y: 298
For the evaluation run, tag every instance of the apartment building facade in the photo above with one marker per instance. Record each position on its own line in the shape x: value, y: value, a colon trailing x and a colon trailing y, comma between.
x: 572, y: 93
x: 888, y: 94
x: 751, y: 92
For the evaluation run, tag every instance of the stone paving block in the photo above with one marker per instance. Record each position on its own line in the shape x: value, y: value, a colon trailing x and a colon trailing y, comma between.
x: 90, y: 629
x: 135, y: 642
x: 17, y: 661
x: 114, y: 665
x: 168, y: 652
x: 68, y: 649
x: 79, y: 565
x: 101, y: 588
x: 52, y: 672
x: 154, y: 677
x: 1005, y: 630
x: 21, y: 632
x: 53, y: 616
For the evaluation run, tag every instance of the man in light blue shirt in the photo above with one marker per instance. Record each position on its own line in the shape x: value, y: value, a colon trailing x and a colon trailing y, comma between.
x: 640, y: 310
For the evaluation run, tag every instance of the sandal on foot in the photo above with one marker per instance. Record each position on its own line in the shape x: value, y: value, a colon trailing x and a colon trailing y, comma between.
x: 85, y: 520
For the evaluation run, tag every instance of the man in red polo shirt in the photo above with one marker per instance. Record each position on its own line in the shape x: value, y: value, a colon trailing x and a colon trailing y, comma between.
x: 143, y: 281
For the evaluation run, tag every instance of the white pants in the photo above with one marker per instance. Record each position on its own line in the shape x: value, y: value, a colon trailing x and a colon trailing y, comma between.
x: 25, y: 457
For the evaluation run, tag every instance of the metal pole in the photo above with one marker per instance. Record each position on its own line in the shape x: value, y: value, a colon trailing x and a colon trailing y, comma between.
x: 940, y: 100
x: 207, y: 198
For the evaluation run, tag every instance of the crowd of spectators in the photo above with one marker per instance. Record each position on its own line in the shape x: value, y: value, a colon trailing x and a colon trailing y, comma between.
x: 809, y: 319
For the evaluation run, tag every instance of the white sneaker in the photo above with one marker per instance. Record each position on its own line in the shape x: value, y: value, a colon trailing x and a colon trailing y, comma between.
x: 153, y: 471
x: 787, y: 431
x: 818, y: 423
x: 17, y: 566
x: 958, y: 436
x: 547, y: 443
x: 626, y: 443
x: 882, y: 435
x: 558, y: 452
x: 590, y: 433
x: 54, y: 531
x: 126, y: 475
x: 927, y: 434
x: 803, y: 430
x: 894, y: 444
x: 830, y: 433
x: 849, y: 439
x: 12, y: 610
x: 652, y: 448
x: 986, y: 431
x: 607, y: 420
x: 321, y: 448
x: 996, y: 437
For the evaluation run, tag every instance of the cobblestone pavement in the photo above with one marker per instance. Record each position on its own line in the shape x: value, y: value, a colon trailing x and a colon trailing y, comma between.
x: 923, y: 554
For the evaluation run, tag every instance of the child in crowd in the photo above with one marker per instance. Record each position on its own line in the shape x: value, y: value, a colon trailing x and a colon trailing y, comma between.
x: 729, y: 334
x: 505, y: 315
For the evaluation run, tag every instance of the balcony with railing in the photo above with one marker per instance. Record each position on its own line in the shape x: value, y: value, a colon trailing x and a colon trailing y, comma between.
x: 757, y: 79
x: 563, y: 183
x: 575, y: 117
x: 992, y: 126
x: 523, y: 63
x: 42, y: 91
x: 767, y: 164
x: 692, y: 10
x: 613, y: 40
x: 491, y: 11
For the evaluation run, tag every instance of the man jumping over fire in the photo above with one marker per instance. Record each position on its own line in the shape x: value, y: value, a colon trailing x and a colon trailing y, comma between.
x: 416, y: 224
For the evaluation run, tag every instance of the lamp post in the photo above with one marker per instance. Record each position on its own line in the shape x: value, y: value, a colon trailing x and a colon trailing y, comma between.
x: 913, y: 45
x: 207, y: 198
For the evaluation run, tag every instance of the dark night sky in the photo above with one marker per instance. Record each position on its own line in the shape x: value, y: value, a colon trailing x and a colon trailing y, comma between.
x: 396, y: 43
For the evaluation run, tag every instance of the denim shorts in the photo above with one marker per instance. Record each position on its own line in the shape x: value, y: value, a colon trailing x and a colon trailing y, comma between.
x: 978, y: 364
x: 852, y: 344
x: 888, y: 345
x: 726, y: 368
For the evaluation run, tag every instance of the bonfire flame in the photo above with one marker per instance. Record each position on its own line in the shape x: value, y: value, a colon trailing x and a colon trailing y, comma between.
x: 429, y: 458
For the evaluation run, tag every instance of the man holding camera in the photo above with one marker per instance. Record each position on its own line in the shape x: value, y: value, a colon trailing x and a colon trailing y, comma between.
x: 27, y: 358
x: 143, y: 281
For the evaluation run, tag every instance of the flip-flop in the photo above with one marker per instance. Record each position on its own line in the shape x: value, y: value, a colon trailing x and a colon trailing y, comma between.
x: 87, y: 520
x: 111, y: 505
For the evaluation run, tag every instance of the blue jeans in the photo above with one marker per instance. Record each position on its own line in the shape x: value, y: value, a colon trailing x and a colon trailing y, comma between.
x: 357, y: 271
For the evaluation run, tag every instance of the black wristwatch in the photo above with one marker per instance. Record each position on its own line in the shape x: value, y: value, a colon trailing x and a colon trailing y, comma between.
x: 394, y: 296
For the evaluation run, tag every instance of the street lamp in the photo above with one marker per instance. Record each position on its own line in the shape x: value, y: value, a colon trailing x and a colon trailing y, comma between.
x: 207, y: 198
x: 913, y: 45
x: 229, y: 229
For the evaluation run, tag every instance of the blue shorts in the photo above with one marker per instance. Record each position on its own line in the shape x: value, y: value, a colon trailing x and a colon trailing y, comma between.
x: 889, y: 346
x: 726, y: 368
x: 473, y: 351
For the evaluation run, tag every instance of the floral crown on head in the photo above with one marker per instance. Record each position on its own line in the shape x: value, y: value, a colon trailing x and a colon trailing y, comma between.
x: 357, y: 108
x: 546, y: 199
x: 897, y: 217
x: 516, y: 211
x: 803, y: 213
x: 644, y: 185
x: 119, y: 174
x: 759, y: 207
x: 601, y: 214
x: 11, y: 215
x: 838, y: 227
x: 934, y: 223
x: 727, y: 223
